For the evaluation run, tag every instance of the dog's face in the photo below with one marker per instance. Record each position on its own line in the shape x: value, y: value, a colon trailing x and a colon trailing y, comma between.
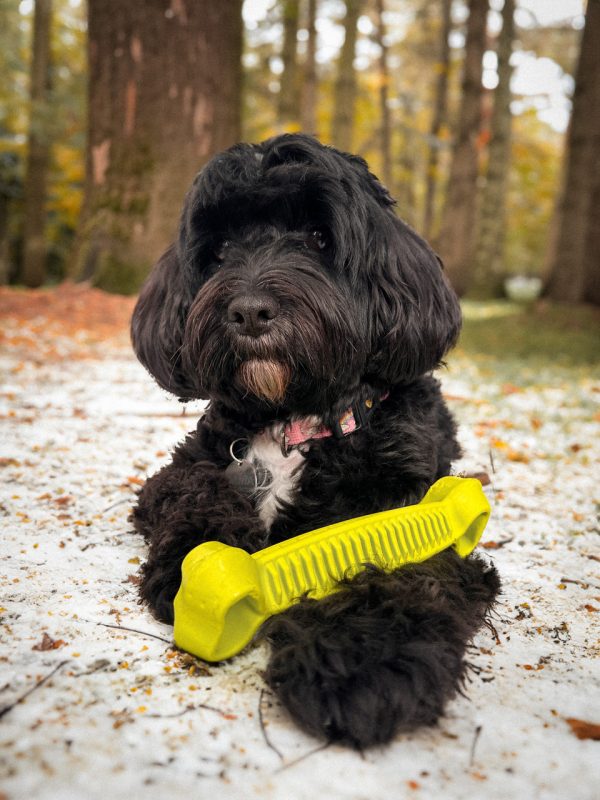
x: 292, y: 284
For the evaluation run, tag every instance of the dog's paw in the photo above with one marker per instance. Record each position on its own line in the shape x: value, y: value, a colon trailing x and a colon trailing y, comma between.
x: 382, y: 655
x: 360, y: 711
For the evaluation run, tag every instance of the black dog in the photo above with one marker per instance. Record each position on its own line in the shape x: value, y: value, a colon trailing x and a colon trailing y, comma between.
x: 310, y: 316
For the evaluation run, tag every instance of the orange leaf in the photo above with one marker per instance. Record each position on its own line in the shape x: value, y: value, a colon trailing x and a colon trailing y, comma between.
x: 584, y: 730
x: 64, y: 500
x: 48, y: 643
x: 515, y: 455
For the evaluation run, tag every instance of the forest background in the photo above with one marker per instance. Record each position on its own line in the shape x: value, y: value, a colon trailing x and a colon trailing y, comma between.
x: 483, y: 118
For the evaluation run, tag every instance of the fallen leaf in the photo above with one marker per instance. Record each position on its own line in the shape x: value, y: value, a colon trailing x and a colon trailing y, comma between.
x: 510, y: 388
x: 495, y: 545
x: 9, y: 462
x: 64, y: 500
x: 479, y: 776
x: 515, y: 455
x: 584, y: 730
x: 482, y: 477
x: 48, y: 643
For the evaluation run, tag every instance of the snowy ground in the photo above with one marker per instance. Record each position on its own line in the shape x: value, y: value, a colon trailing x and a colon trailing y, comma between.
x: 96, y: 703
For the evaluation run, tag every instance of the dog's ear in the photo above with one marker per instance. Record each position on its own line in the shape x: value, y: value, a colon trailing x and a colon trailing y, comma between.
x: 158, y: 324
x: 369, y: 182
x: 415, y: 315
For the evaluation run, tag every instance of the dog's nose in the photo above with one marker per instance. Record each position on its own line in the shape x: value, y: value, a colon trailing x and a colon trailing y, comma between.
x: 251, y: 314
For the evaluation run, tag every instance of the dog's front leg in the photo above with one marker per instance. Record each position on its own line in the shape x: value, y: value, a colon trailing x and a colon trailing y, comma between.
x: 180, y: 507
x: 385, y: 653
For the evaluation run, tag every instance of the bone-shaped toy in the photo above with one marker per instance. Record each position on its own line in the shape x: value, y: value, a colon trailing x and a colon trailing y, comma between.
x: 226, y: 593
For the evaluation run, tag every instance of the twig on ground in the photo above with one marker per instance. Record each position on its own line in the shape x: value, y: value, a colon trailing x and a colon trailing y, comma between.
x: 583, y: 584
x: 36, y: 685
x: 185, y: 711
x: 262, y: 725
x: 474, y: 745
x: 303, y: 757
x: 99, y: 666
x: 114, y: 505
x: 133, y: 630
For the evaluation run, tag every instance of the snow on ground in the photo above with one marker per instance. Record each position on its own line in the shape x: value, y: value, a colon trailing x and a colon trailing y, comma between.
x: 96, y: 703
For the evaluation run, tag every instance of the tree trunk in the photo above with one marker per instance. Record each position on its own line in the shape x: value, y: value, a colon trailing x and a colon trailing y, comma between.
x: 456, y: 237
x: 488, y: 261
x: 573, y: 259
x: 308, y: 113
x: 592, y: 245
x: 404, y: 190
x: 344, y: 99
x: 440, y: 113
x: 4, y: 252
x: 164, y: 96
x: 38, y: 155
x: 288, y: 91
x: 384, y: 82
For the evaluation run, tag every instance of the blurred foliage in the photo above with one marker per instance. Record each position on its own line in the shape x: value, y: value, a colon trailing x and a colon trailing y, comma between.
x: 412, y: 36
x: 68, y: 117
x: 534, y: 182
x: 539, y: 335
x: 413, y: 32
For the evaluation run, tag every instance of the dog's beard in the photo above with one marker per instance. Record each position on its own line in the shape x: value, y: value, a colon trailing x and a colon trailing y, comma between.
x: 311, y: 353
x: 264, y: 378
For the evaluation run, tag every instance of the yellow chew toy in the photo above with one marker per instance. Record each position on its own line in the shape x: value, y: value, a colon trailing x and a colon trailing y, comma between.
x: 226, y: 593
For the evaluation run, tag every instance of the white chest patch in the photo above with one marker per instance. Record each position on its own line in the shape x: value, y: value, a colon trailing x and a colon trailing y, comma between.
x: 265, y: 450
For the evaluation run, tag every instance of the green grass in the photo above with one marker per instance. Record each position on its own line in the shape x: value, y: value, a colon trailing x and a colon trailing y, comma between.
x: 543, y: 334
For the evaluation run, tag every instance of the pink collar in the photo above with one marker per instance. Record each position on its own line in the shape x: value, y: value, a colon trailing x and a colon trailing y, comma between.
x: 303, y: 430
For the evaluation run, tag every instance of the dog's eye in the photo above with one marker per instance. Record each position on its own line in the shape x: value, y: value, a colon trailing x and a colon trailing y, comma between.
x: 221, y: 249
x: 315, y: 240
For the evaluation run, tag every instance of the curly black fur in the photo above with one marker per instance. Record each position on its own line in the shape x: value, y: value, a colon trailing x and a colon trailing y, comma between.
x: 290, y: 255
x: 395, y: 661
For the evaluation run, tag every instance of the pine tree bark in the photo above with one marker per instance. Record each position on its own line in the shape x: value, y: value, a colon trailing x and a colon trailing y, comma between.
x: 384, y: 110
x: 574, y: 258
x: 440, y: 114
x: 38, y: 151
x: 308, y: 112
x: 288, y: 86
x: 458, y: 220
x: 488, y: 260
x: 164, y: 96
x: 344, y: 100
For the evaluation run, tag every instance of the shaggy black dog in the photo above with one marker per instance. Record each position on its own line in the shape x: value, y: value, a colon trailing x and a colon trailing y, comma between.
x: 310, y: 316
